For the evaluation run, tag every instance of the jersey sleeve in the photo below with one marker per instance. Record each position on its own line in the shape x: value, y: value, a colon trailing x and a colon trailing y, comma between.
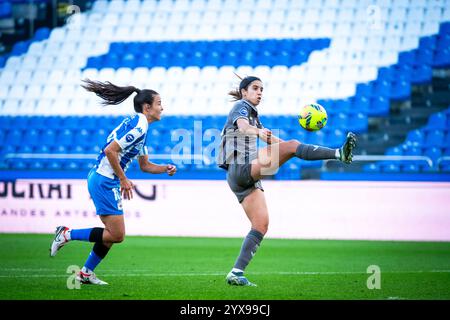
x: 240, y: 110
x: 143, y: 151
x: 259, y: 124
x: 131, y: 135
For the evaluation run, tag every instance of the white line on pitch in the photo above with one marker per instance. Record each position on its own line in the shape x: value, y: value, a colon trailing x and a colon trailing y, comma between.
x: 209, y: 274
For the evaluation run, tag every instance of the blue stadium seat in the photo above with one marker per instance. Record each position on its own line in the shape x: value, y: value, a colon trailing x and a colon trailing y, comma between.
x: 72, y: 122
x: 36, y: 164
x: 438, y: 121
x: 53, y: 164
x: 434, y: 138
x: 379, y: 107
x: 428, y: 42
x: 317, y: 137
x: 77, y: 149
x: 441, y: 58
x: 42, y: 149
x: 59, y: 149
x: 42, y: 34
x: 364, y: 89
x: 37, y: 123
x: 31, y: 137
x: 433, y: 153
x: 386, y: 74
x: 5, y: 9
x: 20, y: 48
x: 84, y: 137
x: 401, y: 90
x: 25, y: 149
x: 358, y: 123
x: 390, y: 167
x: 416, y: 137
x: 48, y: 137
x: 342, y: 106
x: 424, y: 57
x: 20, y: 122
x: 421, y: 74
x: 447, y: 139
x: 372, y: 167
x: 334, y: 138
x: 14, y: 137
x: 18, y: 164
x: 408, y: 57
x: 394, y: 151
x: 410, y: 167
x: 381, y: 88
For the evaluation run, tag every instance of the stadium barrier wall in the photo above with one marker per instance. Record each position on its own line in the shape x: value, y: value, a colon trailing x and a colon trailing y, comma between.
x: 417, y: 211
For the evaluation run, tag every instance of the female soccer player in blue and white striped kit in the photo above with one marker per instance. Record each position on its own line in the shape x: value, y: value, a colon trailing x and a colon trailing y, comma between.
x: 107, y: 182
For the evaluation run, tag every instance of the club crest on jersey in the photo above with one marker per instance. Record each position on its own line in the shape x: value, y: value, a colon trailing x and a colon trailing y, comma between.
x: 129, y: 137
x: 243, y: 111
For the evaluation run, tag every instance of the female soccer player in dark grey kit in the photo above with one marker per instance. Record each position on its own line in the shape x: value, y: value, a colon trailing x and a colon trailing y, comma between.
x: 107, y: 182
x: 246, y: 165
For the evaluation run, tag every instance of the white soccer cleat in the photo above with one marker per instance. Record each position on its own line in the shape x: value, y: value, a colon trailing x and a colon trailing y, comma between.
x: 238, y: 279
x: 89, y: 278
x: 59, y: 241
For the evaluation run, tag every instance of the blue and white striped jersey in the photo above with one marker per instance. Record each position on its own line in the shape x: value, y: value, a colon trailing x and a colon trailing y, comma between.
x: 131, y: 136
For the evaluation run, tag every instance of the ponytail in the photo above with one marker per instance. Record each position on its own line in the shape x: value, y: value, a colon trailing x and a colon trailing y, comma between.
x: 114, y: 95
x: 235, y: 94
x: 110, y: 93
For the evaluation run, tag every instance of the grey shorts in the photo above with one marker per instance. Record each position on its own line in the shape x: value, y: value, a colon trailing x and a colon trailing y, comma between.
x: 240, y: 180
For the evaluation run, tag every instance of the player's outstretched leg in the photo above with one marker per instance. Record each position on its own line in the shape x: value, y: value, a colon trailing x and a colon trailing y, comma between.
x: 346, y: 151
x: 61, y: 238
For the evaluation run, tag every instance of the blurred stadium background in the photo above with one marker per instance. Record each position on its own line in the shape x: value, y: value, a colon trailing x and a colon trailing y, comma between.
x: 381, y: 69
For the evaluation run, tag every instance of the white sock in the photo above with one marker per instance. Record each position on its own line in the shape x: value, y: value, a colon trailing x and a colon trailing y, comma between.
x: 236, y: 270
x: 86, y: 270
x: 338, y: 154
x: 68, y: 234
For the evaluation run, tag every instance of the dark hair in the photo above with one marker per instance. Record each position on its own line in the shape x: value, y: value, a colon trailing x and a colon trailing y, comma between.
x: 236, y: 93
x: 114, y: 95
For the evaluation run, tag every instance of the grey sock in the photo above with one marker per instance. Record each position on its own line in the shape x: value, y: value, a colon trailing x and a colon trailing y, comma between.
x: 312, y: 152
x: 248, y: 249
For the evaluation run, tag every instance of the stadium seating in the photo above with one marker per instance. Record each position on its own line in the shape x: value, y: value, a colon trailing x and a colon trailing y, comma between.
x: 305, y: 51
x: 431, y: 141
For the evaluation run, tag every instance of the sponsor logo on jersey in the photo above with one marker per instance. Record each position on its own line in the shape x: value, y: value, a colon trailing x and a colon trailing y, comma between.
x: 243, y: 111
x: 129, y: 137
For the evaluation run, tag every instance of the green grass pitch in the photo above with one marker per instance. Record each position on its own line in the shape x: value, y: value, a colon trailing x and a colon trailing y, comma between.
x: 160, y: 268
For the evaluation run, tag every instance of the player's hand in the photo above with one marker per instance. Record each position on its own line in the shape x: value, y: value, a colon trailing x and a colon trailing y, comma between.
x: 126, y: 188
x: 171, y: 169
x: 265, y: 135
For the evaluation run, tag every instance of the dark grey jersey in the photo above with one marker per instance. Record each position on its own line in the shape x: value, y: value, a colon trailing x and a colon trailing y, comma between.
x: 237, y: 147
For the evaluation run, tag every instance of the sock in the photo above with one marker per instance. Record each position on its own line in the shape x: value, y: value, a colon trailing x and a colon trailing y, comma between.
x: 236, y: 270
x: 312, y: 152
x: 248, y: 249
x: 99, y: 251
x: 91, y: 234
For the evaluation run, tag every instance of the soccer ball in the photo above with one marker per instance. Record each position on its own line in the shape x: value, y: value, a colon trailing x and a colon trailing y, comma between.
x: 313, y: 117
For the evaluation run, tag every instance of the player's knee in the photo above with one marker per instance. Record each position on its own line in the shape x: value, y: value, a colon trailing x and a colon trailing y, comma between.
x: 261, y: 227
x: 293, y: 144
x: 119, y: 237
